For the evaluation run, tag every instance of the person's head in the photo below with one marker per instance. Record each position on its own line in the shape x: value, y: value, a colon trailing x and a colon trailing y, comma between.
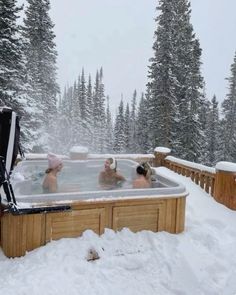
x: 110, y: 164
x: 54, y: 163
x: 141, y: 170
x: 147, y: 167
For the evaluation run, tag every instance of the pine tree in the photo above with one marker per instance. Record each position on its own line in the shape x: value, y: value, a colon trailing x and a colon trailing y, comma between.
x: 142, y: 126
x: 90, y: 107
x: 84, y: 112
x: 12, y: 79
x: 99, y: 113
x: 175, y: 82
x: 109, y: 129
x: 162, y: 82
x: 40, y: 55
x: 64, y: 134
x: 127, y: 130
x: 133, y: 128
x: 11, y: 60
x: 76, y: 114
x: 229, y: 117
x: 213, y: 133
x: 119, y: 130
x: 204, y: 111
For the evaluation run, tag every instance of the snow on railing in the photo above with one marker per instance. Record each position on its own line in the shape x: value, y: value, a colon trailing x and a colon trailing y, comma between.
x: 220, y: 182
x: 202, y: 175
x: 191, y: 164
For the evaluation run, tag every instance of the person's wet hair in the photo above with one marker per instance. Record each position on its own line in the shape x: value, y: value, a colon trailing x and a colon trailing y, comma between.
x: 141, y: 170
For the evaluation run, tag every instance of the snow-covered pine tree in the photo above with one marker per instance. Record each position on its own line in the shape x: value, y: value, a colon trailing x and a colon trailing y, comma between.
x: 213, y: 134
x: 143, y: 126
x: 90, y: 113
x: 133, y: 129
x: 76, y: 114
x: 63, y: 142
x: 175, y: 81
x: 84, y: 112
x: 102, y: 130
x: 162, y: 82
x: 99, y: 113
x: 189, y: 89
x: 96, y: 113
x: 119, y: 130
x: 40, y: 55
x: 128, y: 148
x: 11, y: 61
x: 204, y: 120
x: 229, y: 117
x: 109, y: 129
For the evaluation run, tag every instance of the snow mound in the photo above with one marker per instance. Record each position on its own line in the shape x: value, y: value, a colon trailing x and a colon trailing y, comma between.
x: 226, y: 166
x: 163, y: 150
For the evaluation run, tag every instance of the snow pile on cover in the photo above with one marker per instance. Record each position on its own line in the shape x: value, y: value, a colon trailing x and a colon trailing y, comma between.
x: 79, y: 149
x: 191, y: 164
x: 226, y: 166
x: 163, y: 150
x: 201, y: 260
x: 34, y: 156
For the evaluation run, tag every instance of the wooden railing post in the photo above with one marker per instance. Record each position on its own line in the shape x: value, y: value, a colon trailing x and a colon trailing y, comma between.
x: 160, y: 154
x: 225, y: 184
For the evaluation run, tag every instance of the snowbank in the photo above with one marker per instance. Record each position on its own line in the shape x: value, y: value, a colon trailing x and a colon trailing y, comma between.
x: 201, y: 260
x: 163, y: 150
x: 226, y: 166
x: 33, y: 156
x: 79, y: 149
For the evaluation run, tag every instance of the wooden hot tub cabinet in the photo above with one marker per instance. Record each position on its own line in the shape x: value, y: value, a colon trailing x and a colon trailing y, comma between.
x: 21, y: 233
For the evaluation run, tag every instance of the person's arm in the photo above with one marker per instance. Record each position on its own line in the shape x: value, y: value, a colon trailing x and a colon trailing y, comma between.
x: 120, y: 177
x: 101, y: 178
x: 52, y: 185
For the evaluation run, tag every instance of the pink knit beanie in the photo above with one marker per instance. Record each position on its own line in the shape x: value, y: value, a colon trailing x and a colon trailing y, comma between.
x: 53, y: 161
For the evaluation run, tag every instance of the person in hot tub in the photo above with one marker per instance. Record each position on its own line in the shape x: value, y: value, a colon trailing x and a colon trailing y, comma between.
x: 141, y: 181
x: 50, y: 180
x: 109, y: 178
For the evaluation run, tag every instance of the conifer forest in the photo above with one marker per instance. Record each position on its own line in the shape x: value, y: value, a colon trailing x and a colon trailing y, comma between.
x: 172, y: 111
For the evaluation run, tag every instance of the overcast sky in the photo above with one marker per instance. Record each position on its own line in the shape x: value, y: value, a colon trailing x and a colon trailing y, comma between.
x: 118, y: 35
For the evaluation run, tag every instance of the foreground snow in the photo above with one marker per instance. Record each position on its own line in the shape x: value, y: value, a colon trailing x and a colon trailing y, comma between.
x: 200, y: 261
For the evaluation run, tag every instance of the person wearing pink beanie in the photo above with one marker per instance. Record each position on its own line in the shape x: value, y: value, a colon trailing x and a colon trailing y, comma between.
x: 54, y: 166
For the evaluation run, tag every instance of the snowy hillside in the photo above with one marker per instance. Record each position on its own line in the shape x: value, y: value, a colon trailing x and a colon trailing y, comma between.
x: 202, y: 260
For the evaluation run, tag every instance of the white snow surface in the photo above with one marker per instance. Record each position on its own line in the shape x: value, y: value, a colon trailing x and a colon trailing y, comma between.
x: 191, y: 164
x: 35, y: 156
x: 163, y: 150
x: 120, y: 156
x: 226, y: 166
x: 79, y: 149
x: 199, y: 261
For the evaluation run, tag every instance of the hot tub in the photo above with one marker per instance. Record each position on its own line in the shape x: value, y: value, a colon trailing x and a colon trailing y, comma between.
x: 159, y: 208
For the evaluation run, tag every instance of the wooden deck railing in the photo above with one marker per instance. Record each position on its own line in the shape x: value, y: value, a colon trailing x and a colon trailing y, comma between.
x: 205, y: 179
x: 219, y: 182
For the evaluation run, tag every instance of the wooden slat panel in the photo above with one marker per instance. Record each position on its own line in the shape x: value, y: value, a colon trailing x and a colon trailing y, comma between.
x: 180, y: 215
x: 74, y: 223
x: 136, y: 218
x: 34, y: 227
x: 170, y: 215
x: 22, y: 233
